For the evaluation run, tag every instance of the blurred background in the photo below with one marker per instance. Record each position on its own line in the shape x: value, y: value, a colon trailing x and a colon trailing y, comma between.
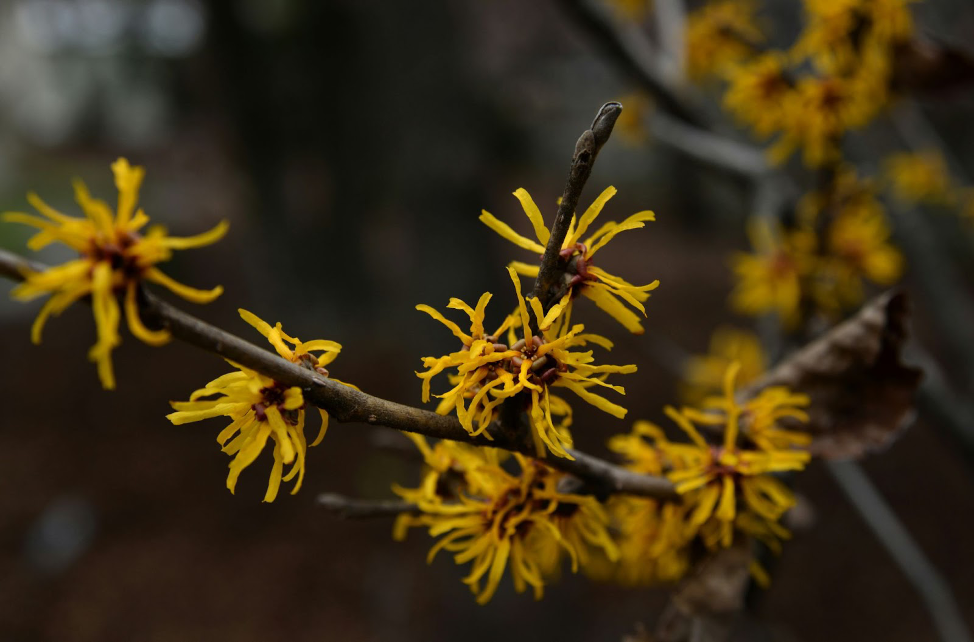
x: 352, y: 144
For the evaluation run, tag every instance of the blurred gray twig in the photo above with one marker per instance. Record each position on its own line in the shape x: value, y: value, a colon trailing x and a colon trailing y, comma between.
x: 908, y: 555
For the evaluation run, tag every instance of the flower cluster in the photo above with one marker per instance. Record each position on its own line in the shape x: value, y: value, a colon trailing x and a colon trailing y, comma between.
x: 116, y: 256
x: 726, y: 487
x: 837, y: 77
x: 263, y: 409
x: 841, y: 240
x: 720, y: 34
x: 492, y: 369
x: 494, y: 519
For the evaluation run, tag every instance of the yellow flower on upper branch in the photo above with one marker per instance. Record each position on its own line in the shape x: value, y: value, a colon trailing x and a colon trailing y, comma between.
x: 490, y: 372
x: 497, y: 520
x: 262, y: 408
x: 919, y: 177
x: 721, y: 33
x: 704, y: 374
x: 582, y: 277
x: 759, y: 91
x: 837, y: 33
x: 115, y: 257
x: 771, y: 279
x: 820, y: 111
x: 721, y: 484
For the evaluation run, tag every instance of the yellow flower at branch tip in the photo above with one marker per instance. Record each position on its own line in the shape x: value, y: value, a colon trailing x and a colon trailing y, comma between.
x: 519, y: 522
x: 715, y: 479
x: 759, y: 91
x: 115, y: 258
x: 721, y: 33
x: 581, y: 276
x: 262, y: 408
x: 490, y: 372
x: 770, y: 280
x: 919, y: 177
x: 704, y: 374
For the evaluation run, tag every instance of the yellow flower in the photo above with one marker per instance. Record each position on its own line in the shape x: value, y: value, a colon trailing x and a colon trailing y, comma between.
x: 858, y: 247
x: 920, y: 177
x: 652, y: 542
x: 490, y: 372
x: 820, y: 111
x: 115, y: 258
x: 262, y: 408
x: 581, y: 275
x: 759, y: 91
x: 502, y: 521
x: 714, y: 480
x: 704, y: 374
x: 771, y: 279
x: 720, y: 33
x: 837, y: 32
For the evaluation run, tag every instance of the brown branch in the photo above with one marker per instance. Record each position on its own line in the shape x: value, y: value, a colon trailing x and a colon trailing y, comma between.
x: 586, y: 149
x: 346, y: 404
x: 345, y: 507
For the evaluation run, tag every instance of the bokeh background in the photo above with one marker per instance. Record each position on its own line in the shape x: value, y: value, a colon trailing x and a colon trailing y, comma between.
x: 352, y: 145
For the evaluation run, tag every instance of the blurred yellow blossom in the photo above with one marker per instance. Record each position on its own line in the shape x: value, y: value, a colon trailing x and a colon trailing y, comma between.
x: 704, y: 374
x: 115, y: 258
x: 721, y: 33
x: 770, y: 280
x: 759, y: 92
x: 919, y: 177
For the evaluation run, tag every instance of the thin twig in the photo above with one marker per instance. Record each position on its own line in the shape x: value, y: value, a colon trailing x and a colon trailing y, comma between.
x: 346, y: 404
x: 907, y: 554
x: 345, y: 507
x: 629, y: 48
x: 671, y: 18
x: 586, y: 150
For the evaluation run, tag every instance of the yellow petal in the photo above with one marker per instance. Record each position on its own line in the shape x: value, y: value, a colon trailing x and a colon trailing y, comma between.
x: 534, y: 214
x: 589, y: 216
x: 150, y: 337
x: 128, y: 180
x: 199, y: 240
x: 187, y: 293
x: 508, y: 233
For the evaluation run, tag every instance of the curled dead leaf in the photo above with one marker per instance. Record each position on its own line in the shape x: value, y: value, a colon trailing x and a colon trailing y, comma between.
x: 862, y: 395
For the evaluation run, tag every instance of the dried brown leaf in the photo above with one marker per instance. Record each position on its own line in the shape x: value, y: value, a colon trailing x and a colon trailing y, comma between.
x: 862, y: 395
